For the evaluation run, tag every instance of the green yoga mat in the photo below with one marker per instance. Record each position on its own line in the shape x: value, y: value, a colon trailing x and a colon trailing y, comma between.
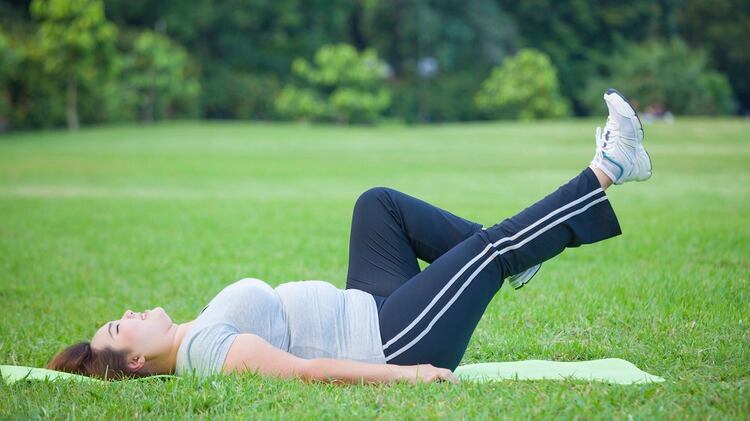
x: 611, y: 370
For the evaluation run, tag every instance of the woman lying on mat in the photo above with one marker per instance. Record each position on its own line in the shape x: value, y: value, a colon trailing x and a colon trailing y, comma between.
x: 392, y: 322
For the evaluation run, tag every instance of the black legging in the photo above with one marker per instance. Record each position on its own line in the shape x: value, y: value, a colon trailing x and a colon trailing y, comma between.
x: 429, y: 316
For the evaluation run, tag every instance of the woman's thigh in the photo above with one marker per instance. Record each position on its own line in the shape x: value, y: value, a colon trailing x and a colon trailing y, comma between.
x: 391, y: 231
x: 432, y: 317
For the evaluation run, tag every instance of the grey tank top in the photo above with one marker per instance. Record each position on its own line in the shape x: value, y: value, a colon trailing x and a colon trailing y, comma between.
x: 309, y: 319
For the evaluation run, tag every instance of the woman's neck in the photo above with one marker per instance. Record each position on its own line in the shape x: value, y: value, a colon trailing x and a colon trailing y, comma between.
x: 166, y: 363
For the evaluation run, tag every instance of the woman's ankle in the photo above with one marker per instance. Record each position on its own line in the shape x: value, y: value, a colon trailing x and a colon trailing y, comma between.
x: 604, y: 180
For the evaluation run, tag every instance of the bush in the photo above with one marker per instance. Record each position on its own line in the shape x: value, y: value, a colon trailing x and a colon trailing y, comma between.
x: 524, y: 86
x: 341, y: 85
x: 668, y: 74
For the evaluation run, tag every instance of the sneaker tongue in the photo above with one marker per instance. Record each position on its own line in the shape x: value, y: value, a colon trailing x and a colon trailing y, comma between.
x: 611, y: 132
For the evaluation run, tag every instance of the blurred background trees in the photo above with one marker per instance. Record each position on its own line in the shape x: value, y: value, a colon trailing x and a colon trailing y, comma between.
x: 64, y: 61
x: 666, y: 75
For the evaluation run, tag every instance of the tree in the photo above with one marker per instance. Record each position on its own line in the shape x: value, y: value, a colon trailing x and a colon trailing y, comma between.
x: 525, y: 87
x: 668, y: 74
x: 157, y: 71
x: 341, y: 84
x: 76, y: 43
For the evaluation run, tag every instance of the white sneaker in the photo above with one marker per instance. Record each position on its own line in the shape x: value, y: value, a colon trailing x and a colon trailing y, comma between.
x: 520, y: 279
x: 619, y: 151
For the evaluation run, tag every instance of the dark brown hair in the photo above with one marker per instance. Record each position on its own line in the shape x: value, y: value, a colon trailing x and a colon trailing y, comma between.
x: 106, y: 364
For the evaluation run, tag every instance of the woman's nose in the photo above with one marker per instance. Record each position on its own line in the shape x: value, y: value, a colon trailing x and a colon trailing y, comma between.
x: 128, y: 314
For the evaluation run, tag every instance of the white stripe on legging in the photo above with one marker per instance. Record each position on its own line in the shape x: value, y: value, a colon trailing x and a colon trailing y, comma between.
x: 485, y: 263
x: 478, y: 256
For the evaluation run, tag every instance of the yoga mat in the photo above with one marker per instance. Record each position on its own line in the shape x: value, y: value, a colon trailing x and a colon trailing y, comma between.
x: 611, y: 370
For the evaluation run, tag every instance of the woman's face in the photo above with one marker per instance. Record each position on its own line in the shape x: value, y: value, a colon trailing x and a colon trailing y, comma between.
x: 143, y: 334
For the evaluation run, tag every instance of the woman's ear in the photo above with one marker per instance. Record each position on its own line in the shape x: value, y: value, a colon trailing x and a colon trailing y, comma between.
x: 136, y: 363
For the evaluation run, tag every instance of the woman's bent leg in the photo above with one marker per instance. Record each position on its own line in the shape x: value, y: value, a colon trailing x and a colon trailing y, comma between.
x: 431, y: 318
x: 390, y: 231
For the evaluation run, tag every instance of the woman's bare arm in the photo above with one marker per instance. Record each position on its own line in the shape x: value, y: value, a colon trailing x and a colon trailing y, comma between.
x: 252, y: 353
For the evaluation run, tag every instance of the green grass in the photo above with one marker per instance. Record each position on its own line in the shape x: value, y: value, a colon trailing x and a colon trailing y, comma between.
x: 111, y: 218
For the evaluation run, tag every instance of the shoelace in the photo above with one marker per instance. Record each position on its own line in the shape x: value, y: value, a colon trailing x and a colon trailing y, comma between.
x: 602, y: 137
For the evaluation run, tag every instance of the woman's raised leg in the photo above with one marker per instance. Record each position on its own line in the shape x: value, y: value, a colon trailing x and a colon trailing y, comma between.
x: 431, y: 318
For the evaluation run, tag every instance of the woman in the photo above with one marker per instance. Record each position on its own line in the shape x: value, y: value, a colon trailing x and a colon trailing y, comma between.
x: 393, y: 322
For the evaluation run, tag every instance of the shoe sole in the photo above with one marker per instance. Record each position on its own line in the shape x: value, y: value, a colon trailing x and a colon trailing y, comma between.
x: 627, y: 102
x: 528, y: 278
x: 614, y: 91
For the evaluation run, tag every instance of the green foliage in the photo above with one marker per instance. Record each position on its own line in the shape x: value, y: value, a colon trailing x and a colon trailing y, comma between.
x: 76, y: 45
x: 228, y: 93
x: 37, y: 98
x: 245, y: 48
x: 439, y: 98
x: 74, y: 36
x: 460, y: 35
x: 301, y: 104
x: 158, y: 75
x: 9, y: 60
x: 242, y: 53
x: 341, y: 85
x: 525, y: 87
x: 580, y: 35
x: 465, y: 38
x: 668, y: 74
x: 722, y: 27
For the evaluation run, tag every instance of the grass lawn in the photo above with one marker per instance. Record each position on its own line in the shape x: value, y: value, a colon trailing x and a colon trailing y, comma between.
x: 111, y: 218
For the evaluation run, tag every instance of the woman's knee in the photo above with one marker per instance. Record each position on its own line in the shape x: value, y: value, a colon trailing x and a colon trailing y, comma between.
x: 373, y: 195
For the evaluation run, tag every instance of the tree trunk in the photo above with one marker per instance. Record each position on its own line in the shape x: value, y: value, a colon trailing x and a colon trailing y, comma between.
x: 150, y: 100
x: 5, y: 104
x: 355, y: 27
x: 71, y: 107
x: 148, y: 109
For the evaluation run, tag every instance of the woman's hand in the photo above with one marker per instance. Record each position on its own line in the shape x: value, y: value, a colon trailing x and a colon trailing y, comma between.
x: 427, y: 373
